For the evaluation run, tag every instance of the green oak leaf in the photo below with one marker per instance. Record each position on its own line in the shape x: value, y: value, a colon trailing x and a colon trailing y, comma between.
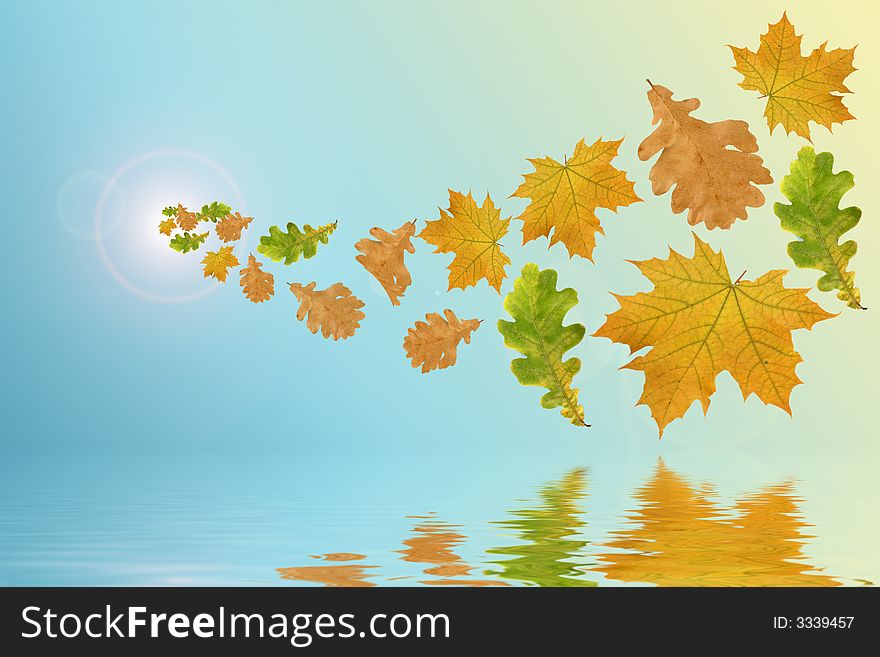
x: 816, y: 218
x: 538, y: 309
x: 170, y: 211
x: 214, y: 212
x: 289, y: 246
x: 187, y: 242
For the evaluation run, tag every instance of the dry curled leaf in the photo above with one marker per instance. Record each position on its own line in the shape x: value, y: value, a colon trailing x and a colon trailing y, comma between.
x: 471, y: 232
x: 798, y: 89
x: 383, y: 258
x: 699, y: 323
x: 229, y: 227
x: 257, y: 285
x: 433, y: 344
x: 185, y: 219
x: 217, y: 263
x: 335, y: 311
x: 714, y: 182
x: 565, y: 196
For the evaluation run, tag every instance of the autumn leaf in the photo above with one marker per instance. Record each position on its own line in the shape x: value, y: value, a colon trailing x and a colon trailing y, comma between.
x: 699, y: 323
x: 472, y: 233
x: 565, y: 196
x: 214, y: 211
x: 716, y: 183
x: 257, y: 285
x: 217, y: 263
x: 289, y: 246
x: 433, y: 344
x: 815, y: 217
x: 167, y: 226
x: 798, y: 89
x: 538, y: 310
x: 185, y: 219
x: 335, y: 311
x: 229, y: 227
x: 187, y: 242
x: 383, y: 258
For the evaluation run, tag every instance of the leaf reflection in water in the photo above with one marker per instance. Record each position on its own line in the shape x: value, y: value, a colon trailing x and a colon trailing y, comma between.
x: 548, y: 555
x: 681, y: 537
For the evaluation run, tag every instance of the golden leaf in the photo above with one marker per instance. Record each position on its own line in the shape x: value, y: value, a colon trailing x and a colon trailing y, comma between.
x: 433, y: 344
x: 229, y: 227
x: 472, y: 234
x: 565, y: 197
x: 257, y: 285
x: 383, y: 258
x: 715, y: 182
x: 699, y: 323
x: 167, y: 226
x: 217, y: 263
x: 335, y: 311
x: 798, y: 89
x: 185, y: 219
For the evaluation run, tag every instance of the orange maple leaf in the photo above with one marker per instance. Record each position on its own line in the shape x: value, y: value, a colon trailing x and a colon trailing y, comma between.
x: 798, y: 89
x: 699, y: 323
x: 472, y: 233
x: 565, y: 197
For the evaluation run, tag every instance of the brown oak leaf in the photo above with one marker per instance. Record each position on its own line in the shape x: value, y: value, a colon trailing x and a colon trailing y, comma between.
x: 714, y: 182
x: 335, y: 311
x: 229, y: 227
x: 433, y: 344
x: 257, y: 285
x: 185, y: 219
x: 383, y: 258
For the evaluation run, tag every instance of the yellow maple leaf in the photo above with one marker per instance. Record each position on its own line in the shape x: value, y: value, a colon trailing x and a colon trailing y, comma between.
x: 217, y: 263
x: 565, y: 197
x: 168, y: 226
x: 798, y: 89
x: 256, y: 284
x: 699, y: 323
x: 471, y: 232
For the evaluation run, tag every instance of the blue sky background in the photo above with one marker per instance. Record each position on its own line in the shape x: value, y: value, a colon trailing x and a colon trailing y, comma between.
x: 367, y: 113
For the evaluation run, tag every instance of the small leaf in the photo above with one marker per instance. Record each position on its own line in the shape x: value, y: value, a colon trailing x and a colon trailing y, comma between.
x: 229, y: 227
x: 433, y: 344
x: 538, y: 310
x: 185, y: 219
x: 217, y: 263
x: 289, y: 246
x: 335, y: 311
x: 167, y: 227
x: 257, y: 285
x: 383, y: 258
x: 214, y: 211
x: 187, y: 242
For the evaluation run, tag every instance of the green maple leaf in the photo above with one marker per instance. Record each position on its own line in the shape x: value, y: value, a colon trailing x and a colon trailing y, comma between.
x: 816, y: 218
x: 538, y: 309
x: 289, y: 246
x: 214, y: 212
x: 187, y: 242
